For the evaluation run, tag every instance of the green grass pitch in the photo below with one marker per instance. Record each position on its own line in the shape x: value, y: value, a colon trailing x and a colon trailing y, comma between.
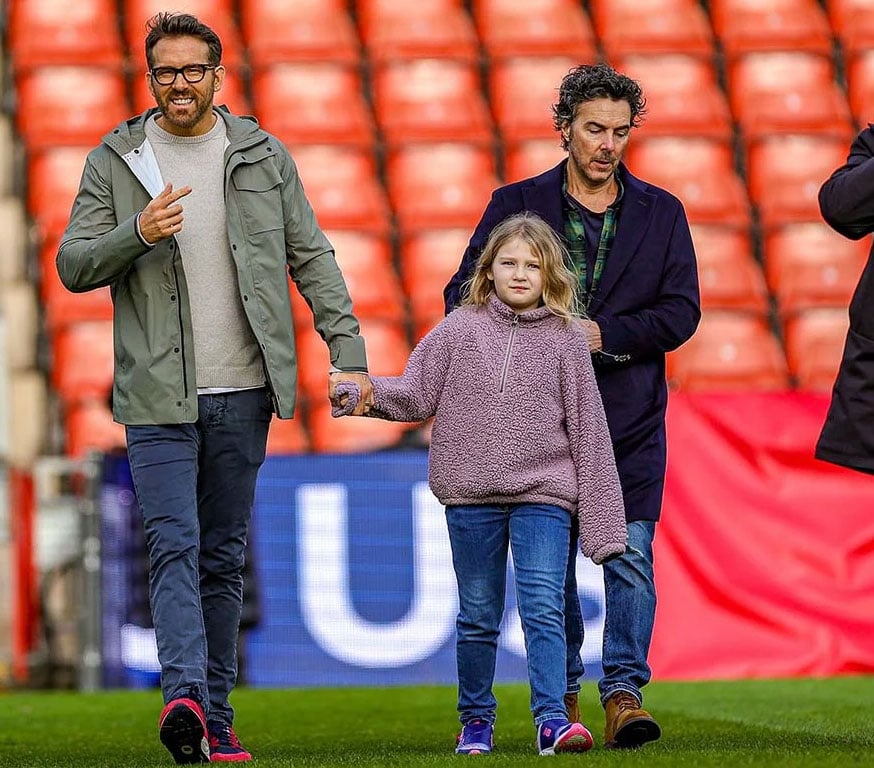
x: 820, y: 723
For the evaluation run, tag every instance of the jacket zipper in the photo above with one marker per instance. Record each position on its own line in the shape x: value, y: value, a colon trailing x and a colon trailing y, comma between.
x: 506, y: 368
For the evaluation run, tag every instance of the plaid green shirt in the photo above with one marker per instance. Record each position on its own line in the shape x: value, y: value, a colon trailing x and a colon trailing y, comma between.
x: 575, y: 235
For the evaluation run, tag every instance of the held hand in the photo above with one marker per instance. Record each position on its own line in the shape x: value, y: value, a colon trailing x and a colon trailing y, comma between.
x: 366, y: 388
x: 162, y: 217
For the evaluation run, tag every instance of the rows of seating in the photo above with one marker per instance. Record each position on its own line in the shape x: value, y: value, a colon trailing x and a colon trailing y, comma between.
x: 403, y: 117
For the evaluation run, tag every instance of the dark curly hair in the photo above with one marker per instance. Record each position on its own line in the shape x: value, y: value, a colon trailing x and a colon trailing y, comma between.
x: 595, y: 81
x: 181, y: 25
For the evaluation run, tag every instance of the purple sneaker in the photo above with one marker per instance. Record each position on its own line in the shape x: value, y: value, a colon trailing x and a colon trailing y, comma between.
x: 476, y: 738
x: 560, y: 735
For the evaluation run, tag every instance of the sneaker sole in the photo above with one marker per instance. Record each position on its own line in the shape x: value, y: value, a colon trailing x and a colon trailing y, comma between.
x: 635, y: 733
x: 581, y: 741
x: 184, y: 735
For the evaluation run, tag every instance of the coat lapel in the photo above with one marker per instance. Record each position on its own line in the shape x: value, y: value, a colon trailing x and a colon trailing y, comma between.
x: 637, y: 208
x: 543, y: 197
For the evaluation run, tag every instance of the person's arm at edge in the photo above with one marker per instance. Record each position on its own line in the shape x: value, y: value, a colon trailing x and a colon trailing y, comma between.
x: 846, y: 198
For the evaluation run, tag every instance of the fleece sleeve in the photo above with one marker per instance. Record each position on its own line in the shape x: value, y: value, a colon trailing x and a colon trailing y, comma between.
x: 600, y: 506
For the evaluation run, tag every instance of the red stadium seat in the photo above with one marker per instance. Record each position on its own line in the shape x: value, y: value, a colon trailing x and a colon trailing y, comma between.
x: 744, y: 26
x: 430, y: 100
x: 730, y: 351
x: 342, y: 186
x: 313, y: 103
x: 651, y: 26
x: 53, y: 180
x: 786, y: 172
x: 393, y: 30
x: 522, y: 91
x: 535, y: 28
x: 217, y: 14
x: 683, y: 97
x: 232, y: 94
x: 51, y: 32
x: 69, y: 105
x: 305, y: 30
x: 352, y: 434
x: 82, y: 361
x: 365, y: 260
x: 428, y: 259
x: 287, y: 436
x: 792, y: 92
x: 814, y: 347
x: 440, y: 185
x: 860, y: 84
x: 810, y: 265
x: 729, y: 276
x: 853, y: 24
x: 62, y: 306
x: 532, y: 157
x: 89, y: 427
x: 699, y: 171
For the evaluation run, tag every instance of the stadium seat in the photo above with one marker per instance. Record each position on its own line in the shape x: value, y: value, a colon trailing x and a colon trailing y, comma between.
x: 313, y: 103
x: 535, y: 28
x: 387, y: 352
x: 217, y: 14
x: 787, y: 92
x: 853, y: 24
x: 744, y: 26
x: 786, y: 172
x: 683, y: 97
x: 860, y: 84
x: 730, y: 351
x: 532, y: 157
x: 232, y: 94
x: 69, y: 105
x: 342, y: 186
x: 699, y: 171
x: 522, y: 91
x: 352, y: 434
x: 729, y: 276
x: 82, y: 361
x: 809, y: 265
x: 440, y: 185
x: 88, y: 426
x: 814, y: 347
x: 287, y: 436
x: 651, y: 26
x: 305, y: 30
x: 53, y: 179
x: 376, y: 294
x: 51, y: 32
x: 428, y: 259
x: 430, y: 100
x: 392, y: 30
x: 62, y: 306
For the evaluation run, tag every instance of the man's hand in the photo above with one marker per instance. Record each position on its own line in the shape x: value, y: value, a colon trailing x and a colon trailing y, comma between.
x: 593, y: 334
x: 162, y: 217
x: 363, y: 382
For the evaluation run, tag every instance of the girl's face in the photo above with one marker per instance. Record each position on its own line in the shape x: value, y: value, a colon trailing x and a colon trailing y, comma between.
x: 515, y: 273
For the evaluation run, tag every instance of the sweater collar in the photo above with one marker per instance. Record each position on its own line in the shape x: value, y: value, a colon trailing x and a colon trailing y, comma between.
x: 503, y: 313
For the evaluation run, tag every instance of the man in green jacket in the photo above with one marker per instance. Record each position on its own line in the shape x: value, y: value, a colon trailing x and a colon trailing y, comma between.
x: 192, y: 217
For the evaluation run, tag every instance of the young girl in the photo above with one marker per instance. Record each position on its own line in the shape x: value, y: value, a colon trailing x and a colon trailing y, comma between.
x: 519, y: 444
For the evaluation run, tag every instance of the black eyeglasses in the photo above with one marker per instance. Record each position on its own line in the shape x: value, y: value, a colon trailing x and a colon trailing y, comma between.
x: 192, y: 73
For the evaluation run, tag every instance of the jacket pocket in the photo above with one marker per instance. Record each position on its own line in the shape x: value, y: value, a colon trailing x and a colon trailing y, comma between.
x: 258, y: 189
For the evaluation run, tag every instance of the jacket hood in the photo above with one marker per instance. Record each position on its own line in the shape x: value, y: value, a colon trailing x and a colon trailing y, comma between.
x: 132, y: 133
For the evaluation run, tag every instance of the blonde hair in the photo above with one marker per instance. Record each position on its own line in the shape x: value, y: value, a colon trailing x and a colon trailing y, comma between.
x: 560, y: 284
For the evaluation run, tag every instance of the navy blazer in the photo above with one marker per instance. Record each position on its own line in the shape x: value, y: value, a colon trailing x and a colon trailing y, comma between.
x: 647, y: 304
x: 846, y: 201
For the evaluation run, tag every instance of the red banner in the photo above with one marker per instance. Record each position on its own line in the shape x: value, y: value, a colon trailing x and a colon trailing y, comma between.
x: 764, y: 556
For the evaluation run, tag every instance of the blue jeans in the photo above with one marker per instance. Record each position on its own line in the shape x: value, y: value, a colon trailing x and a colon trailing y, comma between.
x: 480, y: 536
x: 630, y: 598
x: 195, y: 485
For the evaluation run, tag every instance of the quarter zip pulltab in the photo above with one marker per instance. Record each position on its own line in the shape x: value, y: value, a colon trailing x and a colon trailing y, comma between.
x: 513, y: 326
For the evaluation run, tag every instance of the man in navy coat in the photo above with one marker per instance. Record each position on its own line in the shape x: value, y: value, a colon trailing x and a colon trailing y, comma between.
x: 630, y: 244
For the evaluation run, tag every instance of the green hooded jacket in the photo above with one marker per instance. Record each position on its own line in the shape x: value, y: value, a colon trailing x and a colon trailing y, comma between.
x: 271, y: 228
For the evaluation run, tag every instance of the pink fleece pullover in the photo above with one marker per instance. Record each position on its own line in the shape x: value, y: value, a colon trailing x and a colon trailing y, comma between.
x: 518, y: 417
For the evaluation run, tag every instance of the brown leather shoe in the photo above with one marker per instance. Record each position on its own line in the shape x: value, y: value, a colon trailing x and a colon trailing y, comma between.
x: 628, y: 726
x: 572, y: 705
